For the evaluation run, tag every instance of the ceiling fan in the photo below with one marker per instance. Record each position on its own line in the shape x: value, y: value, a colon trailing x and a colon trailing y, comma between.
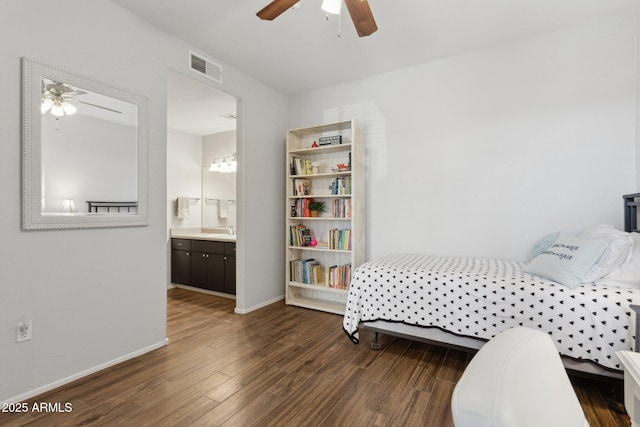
x: 359, y: 10
x: 57, y: 98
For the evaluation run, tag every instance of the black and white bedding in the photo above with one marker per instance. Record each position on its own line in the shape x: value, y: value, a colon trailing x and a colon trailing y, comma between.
x: 479, y: 298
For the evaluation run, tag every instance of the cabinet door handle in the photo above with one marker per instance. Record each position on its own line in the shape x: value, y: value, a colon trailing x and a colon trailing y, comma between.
x: 188, y: 253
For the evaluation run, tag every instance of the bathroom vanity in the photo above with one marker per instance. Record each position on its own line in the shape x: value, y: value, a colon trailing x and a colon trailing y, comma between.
x: 204, y: 260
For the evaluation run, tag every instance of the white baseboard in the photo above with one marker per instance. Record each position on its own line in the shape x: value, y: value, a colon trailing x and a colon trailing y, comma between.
x: 63, y: 381
x: 255, y: 307
x: 204, y: 291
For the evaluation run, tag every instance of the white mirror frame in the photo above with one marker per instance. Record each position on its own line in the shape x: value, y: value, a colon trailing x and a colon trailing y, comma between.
x: 32, y: 217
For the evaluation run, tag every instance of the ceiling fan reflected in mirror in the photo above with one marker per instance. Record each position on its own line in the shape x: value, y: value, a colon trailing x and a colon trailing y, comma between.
x: 359, y: 11
x: 58, y: 97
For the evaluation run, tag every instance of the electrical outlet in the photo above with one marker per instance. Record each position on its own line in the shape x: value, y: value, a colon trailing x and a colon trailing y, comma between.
x: 23, y: 331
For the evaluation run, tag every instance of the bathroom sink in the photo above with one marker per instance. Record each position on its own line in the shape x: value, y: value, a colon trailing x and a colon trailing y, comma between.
x: 221, y: 236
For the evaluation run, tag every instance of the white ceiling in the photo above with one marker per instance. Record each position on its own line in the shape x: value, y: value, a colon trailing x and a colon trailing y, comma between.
x: 196, y: 108
x: 300, y: 51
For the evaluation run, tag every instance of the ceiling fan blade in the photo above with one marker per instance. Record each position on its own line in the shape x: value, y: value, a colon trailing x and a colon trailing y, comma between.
x: 275, y: 9
x: 99, y: 106
x: 362, y: 17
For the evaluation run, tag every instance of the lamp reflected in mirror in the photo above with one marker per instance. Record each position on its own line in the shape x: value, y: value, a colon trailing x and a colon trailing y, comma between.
x: 68, y: 206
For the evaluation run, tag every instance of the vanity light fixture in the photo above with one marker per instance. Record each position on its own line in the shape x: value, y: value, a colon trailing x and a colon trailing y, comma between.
x: 226, y: 164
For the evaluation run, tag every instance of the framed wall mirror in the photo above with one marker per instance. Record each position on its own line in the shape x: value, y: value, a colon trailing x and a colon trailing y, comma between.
x: 84, y: 152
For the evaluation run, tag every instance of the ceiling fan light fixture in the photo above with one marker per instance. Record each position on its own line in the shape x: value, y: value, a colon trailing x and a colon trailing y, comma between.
x: 68, y: 108
x: 332, y: 6
x: 57, y: 110
x: 46, y: 105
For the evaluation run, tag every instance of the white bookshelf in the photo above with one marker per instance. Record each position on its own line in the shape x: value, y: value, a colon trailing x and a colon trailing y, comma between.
x: 303, y: 290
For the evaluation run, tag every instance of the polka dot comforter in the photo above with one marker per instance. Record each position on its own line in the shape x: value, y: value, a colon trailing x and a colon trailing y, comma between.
x: 481, y: 297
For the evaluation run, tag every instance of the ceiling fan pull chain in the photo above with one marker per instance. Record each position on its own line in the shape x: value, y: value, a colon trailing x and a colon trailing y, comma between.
x: 339, y: 25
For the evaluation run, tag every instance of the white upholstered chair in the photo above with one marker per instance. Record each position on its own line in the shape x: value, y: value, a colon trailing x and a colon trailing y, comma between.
x: 516, y: 380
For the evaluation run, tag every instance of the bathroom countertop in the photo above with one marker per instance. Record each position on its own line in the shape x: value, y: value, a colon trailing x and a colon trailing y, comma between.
x: 199, y: 235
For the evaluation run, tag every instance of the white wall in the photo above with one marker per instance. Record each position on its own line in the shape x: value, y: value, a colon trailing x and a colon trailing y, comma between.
x: 99, y: 296
x: 637, y: 101
x: 69, y: 166
x: 184, y: 177
x: 215, y: 185
x: 481, y: 154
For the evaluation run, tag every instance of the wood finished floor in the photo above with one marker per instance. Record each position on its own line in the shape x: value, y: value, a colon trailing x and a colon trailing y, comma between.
x: 277, y: 366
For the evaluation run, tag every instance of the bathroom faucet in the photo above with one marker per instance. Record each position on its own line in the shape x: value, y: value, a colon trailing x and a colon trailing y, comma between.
x: 230, y: 229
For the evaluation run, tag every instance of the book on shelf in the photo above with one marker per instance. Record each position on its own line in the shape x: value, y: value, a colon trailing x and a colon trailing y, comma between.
x: 308, y: 271
x: 339, y: 276
x: 341, y: 185
x: 299, y: 166
x: 301, y: 187
x: 340, y: 239
x: 300, y: 208
x: 322, y: 245
x: 341, y: 208
x: 299, y: 235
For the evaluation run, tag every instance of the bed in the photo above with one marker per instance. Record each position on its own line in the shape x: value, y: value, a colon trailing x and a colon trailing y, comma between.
x: 463, y: 302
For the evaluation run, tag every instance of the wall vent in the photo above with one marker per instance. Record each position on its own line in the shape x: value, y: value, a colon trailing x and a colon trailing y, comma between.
x: 205, y: 67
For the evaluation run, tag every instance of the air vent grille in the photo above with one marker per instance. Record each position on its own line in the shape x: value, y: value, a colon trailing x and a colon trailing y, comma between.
x: 198, y: 64
x: 206, y: 67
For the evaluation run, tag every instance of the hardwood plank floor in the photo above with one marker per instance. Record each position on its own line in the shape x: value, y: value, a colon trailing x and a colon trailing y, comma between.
x: 277, y: 366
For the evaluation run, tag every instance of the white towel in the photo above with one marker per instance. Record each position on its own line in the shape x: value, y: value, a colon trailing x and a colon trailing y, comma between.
x: 183, y: 207
x: 223, y: 209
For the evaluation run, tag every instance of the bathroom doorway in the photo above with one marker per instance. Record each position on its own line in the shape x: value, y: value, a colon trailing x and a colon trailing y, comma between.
x: 201, y: 158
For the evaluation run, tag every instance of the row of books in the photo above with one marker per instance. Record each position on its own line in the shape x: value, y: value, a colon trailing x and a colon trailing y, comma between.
x: 339, y: 276
x: 341, y: 185
x: 341, y: 208
x: 306, y: 271
x: 301, y: 187
x: 299, y: 235
x: 340, y: 239
x: 309, y: 271
x: 299, y: 166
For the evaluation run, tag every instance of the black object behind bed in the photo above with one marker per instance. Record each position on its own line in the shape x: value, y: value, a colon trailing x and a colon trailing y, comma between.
x: 95, y: 206
x: 631, y: 202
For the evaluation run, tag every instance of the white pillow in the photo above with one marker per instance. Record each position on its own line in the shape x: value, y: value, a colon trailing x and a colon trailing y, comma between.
x: 543, y: 244
x: 568, y: 259
x: 627, y: 276
x: 614, y: 256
